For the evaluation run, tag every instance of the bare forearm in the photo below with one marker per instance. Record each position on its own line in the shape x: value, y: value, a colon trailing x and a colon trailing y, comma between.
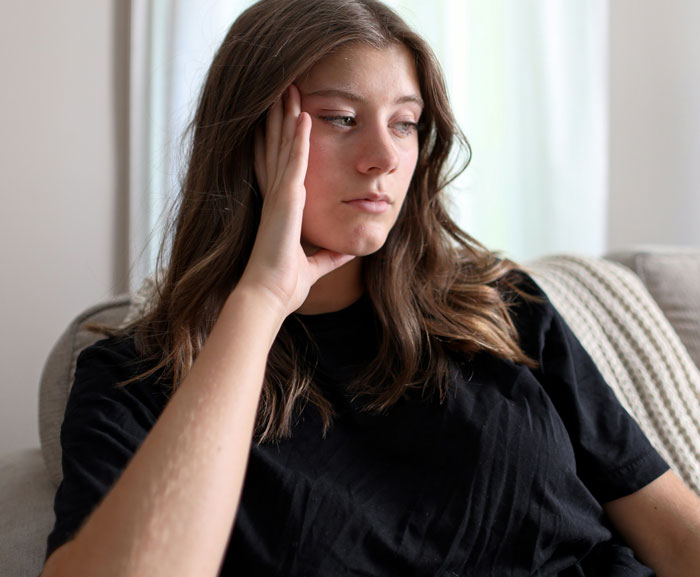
x: 682, y: 559
x: 661, y: 522
x: 172, y: 510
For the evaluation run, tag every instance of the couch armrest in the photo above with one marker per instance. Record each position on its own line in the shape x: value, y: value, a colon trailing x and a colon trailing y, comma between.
x: 59, y: 369
x: 26, y: 512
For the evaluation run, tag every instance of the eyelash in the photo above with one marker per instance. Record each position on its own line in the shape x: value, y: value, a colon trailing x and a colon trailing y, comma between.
x: 337, y: 120
x: 410, y: 127
x: 407, y: 128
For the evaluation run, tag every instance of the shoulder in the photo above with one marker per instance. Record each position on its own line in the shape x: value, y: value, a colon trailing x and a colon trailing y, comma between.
x: 530, y: 310
x: 111, y: 375
x: 114, y: 351
x: 113, y: 359
x: 109, y: 413
x: 512, y: 284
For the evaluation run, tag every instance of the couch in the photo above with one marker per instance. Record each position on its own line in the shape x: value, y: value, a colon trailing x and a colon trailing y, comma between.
x: 637, y: 313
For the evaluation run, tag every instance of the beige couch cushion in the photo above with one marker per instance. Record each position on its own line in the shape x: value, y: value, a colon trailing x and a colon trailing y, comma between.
x: 26, y: 513
x: 672, y: 276
x: 57, y: 377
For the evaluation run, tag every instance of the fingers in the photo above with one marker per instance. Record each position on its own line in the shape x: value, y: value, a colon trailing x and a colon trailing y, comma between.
x: 273, y: 131
x: 273, y: 150
x: 292, y: 109
x: 259, y: 163
x: 325, y: 261
x: 298, y: 158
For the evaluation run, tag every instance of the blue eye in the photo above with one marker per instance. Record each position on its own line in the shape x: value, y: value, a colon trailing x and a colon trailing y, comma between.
x: 344, y: 121
x: 406, y: 128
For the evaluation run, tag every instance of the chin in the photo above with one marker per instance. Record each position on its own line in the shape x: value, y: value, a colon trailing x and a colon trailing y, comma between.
x: 364, y: 244
x: 358, y: 246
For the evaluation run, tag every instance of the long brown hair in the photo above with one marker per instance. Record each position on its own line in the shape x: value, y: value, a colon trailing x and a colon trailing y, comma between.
x: 435, y: 290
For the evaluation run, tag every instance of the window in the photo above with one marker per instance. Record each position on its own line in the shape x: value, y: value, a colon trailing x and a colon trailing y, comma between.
x: 527, y: 81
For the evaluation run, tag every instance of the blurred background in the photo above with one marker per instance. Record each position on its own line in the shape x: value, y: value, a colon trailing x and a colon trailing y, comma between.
x: 583, y: 117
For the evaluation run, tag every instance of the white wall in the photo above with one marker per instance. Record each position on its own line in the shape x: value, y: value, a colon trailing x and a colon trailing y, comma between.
x: 62, y: 129
x: 654, y: 122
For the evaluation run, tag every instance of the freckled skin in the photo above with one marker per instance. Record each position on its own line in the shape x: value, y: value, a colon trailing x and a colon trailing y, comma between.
x: 364, y: 104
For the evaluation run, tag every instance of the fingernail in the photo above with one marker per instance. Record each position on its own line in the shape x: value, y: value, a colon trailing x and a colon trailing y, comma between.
x: 299, y: 119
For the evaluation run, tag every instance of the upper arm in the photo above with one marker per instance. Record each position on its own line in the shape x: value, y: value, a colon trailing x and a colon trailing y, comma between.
x: 613, y: 456
x: 103, y: 427
x: 661, y: 522
x: 53, y: 563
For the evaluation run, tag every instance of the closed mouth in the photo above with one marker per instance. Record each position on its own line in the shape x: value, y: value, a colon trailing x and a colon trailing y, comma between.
x: 371, y: 204
x: 372, y: 197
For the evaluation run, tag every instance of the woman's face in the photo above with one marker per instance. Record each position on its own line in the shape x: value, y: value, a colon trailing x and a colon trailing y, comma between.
x: 364, y: 105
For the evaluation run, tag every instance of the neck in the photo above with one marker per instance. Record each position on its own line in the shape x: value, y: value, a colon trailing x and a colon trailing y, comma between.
x: 335, y: 291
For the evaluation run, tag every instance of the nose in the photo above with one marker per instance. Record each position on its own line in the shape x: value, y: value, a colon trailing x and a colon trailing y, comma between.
x: 377, y: 152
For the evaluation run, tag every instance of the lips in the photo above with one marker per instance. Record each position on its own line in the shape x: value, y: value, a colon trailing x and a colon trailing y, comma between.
x: 372, y: 203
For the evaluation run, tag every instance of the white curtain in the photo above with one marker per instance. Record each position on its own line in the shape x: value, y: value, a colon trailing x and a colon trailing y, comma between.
x: 527, y: 79
x: 173, y: 44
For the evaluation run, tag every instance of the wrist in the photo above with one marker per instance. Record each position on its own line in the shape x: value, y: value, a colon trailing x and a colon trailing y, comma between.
x: 267, y: 310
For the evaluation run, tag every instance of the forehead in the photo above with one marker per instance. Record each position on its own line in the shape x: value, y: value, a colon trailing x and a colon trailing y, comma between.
x: 360, y: 68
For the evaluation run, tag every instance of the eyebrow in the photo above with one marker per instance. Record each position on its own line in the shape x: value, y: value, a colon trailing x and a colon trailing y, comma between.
x: 348, y: 95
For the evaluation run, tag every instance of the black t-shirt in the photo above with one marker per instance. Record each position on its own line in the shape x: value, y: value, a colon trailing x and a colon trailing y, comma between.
x: 504, y: 478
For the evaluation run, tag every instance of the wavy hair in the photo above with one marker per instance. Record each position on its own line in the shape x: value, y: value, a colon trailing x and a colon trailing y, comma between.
x: 436, y: 292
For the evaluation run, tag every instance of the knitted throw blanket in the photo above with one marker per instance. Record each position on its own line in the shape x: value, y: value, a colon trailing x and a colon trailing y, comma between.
x: 636, y: 350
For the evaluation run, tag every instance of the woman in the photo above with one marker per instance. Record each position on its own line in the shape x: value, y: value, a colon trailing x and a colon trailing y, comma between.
x: 416, y: 405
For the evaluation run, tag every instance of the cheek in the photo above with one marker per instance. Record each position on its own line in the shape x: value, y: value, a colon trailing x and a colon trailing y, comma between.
x: 321, y: 159
x: 412, y: 156
x: 408, y: 166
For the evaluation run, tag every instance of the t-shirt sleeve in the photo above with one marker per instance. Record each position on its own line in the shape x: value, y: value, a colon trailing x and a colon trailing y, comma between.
x: 613, y: 456
x: 104, y: 425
